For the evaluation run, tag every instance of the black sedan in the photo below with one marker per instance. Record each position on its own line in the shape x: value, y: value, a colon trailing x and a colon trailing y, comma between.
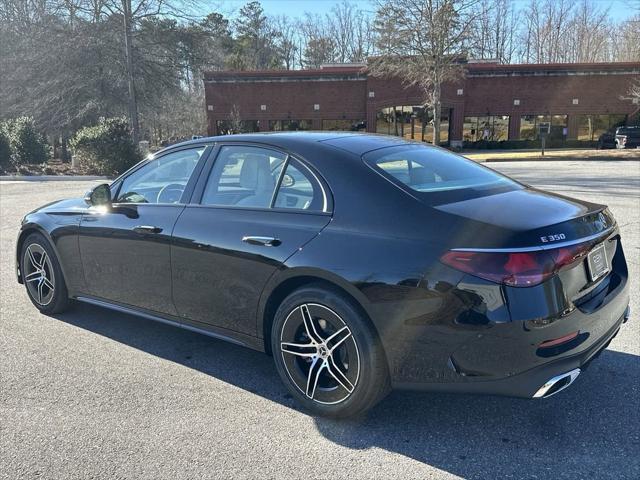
x: 361, y: 263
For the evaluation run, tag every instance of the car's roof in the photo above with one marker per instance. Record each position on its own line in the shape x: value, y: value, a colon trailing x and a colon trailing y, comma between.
x: 353, y: 142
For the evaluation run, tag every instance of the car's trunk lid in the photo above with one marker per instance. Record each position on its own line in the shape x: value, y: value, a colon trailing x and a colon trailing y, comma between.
x: 526, y: 218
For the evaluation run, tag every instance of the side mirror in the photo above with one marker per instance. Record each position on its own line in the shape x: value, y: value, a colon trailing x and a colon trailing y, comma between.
x: 287, y: 181
x: 99, y: 195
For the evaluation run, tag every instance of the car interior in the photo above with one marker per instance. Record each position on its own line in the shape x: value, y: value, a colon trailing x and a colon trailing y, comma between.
x: 160, y: 181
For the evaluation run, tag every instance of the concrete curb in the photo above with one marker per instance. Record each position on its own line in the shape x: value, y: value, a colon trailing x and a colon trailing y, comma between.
x: 49, y: 178
x: 551, y: 159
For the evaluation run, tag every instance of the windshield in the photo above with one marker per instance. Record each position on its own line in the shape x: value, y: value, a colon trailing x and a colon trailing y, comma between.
x: 437, y: 173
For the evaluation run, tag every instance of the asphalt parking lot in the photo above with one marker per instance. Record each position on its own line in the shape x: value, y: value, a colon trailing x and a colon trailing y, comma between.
x: 98, y: 394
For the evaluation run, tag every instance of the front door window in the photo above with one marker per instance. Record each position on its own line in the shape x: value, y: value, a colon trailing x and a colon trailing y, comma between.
x: 162, y: 180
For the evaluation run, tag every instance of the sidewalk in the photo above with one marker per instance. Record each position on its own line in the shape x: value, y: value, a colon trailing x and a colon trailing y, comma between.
x: 551, y: 154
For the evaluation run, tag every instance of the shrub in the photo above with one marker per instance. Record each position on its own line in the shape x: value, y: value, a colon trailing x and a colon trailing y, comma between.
x: 26, y: 145
x: 105, y: 148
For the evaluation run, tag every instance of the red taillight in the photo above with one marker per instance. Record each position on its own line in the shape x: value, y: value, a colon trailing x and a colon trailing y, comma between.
x: 516, y: 269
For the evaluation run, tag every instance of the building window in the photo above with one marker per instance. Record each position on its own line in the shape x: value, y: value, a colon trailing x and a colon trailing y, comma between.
x: 530, y: 126
x: 590, y: 127
x: 289, y: 125
x: 344, y: 125
x: 489, y: 127
x: 227, y: 127
x: 411, y: 122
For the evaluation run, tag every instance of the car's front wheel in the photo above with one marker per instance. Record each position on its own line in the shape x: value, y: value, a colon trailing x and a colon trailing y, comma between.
x: 42, y: 275
x: 327, y: 353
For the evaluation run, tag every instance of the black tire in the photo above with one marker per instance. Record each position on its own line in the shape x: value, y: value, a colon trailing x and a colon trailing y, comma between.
x: 50, y: 295
x: 303, y: 358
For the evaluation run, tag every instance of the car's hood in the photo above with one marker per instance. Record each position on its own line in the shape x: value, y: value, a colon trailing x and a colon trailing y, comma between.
x: 521, y: 218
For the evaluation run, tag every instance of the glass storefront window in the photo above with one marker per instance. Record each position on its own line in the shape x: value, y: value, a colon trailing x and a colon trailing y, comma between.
x: 491, y: 128
x: 530, y: 126
x: 289, y: 125
x: 590, y: 127
x: 226, y: 127
x: 344, y: 125
x: 411, y: 122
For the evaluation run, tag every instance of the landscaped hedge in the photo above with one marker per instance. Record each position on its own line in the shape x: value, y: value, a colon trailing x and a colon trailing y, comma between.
x: 105, y: 148
x: 21, y: 143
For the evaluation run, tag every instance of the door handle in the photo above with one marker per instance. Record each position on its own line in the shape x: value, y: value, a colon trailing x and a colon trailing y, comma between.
x: 147, y: 229
x: 261, y: 241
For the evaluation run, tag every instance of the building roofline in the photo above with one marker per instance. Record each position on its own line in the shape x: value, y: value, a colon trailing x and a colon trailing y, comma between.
x: 312, y: 72
x: 359, y: 72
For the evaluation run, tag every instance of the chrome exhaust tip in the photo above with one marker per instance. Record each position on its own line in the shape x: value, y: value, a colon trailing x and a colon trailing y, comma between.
x: 557, y: 384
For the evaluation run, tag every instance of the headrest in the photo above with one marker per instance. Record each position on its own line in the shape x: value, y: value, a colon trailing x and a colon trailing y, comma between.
x: 255, y: 173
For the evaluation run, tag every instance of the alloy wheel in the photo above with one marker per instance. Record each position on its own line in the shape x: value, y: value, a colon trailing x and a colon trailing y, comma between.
x: 320, y: 353
x: 38, y: 274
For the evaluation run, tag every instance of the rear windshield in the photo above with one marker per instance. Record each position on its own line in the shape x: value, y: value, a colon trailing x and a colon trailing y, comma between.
x: 437, y: 174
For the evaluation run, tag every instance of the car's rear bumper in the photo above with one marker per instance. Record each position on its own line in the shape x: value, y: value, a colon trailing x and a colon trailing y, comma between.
x: 530, y: 382
x: 517, y: 357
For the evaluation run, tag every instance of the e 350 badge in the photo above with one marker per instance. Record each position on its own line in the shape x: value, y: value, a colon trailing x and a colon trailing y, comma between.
x: 553, y: 238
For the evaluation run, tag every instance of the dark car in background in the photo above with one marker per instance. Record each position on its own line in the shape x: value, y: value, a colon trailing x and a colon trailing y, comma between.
x: 607, y: 140
x: 628, y: 137
x: 361, y: 263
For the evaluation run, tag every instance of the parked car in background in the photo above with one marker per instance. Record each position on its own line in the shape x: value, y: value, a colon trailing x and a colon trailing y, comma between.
x: 628, y: 137
x: 607, y: 139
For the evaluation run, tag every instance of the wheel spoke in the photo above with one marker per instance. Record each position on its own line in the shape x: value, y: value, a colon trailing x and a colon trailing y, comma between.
x: 40, y: 291
x: 337, y: 374
x: 312, y: 333
x: 32, y: 258
x: 314, y: 375
x: 299, y: 349
x: 32, y: 277
x: 48, y: 284
x: 337, y: 338
x: 43, y: 259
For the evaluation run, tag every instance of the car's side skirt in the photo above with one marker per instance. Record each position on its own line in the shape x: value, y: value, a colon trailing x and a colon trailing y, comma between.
x: 211, y: 331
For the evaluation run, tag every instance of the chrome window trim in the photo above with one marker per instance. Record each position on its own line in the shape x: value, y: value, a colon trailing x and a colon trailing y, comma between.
x: 548, y: 246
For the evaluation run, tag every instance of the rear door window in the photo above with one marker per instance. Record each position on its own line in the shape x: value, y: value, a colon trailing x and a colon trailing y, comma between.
x: 244, y: 176
x: 300, y: 190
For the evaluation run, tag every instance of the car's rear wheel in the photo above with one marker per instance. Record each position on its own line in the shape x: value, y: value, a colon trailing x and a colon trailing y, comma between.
x: 327, y: 353
x: 42, y: 275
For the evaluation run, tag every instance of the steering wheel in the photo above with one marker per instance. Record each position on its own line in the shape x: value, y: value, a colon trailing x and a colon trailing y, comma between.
x: 170, y: 193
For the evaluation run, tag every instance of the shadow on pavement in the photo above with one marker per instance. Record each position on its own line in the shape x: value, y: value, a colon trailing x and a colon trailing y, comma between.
x: 591, y: 429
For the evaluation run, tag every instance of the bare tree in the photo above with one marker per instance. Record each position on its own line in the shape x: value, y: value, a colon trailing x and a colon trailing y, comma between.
x: 590, y: 35
x: 633, y: 94
x: 421, y: 42
x: 493, y: 31
x: 286, y: 40
x: 626, y: 43
x: 235, y: 120
x: 319, y: 46
x: 132, y: 12
x: 351, y: 31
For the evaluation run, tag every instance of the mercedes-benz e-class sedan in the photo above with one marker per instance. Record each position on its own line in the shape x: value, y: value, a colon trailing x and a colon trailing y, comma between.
x: 361, y: 263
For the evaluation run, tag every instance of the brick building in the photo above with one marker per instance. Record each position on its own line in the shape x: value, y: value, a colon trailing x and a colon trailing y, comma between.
x: 492, y: 103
